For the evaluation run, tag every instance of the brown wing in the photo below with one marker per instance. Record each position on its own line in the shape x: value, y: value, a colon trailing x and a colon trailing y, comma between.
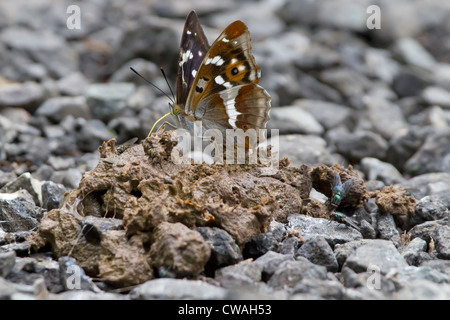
x: 228, y: 63
x: 244, y: 106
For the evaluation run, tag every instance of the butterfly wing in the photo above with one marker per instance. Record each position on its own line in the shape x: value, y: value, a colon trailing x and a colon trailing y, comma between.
x: 243, y: 106
x: 225, y: 88
x: 193, y: 49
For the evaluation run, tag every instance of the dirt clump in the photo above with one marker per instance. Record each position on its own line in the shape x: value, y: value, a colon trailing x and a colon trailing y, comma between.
x: 178, y: 250
x: 322, y: 179
x: 395, y: 200
x: 157, y: 201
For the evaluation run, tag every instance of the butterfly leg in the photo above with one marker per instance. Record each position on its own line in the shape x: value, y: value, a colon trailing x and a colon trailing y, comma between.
x: 174, y: 127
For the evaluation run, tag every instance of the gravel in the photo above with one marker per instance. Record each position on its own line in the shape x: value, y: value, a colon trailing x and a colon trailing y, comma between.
x: 341, y: 94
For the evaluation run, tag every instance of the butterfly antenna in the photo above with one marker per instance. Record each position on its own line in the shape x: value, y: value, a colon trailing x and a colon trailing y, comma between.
x: 170, y: 98
x: 164, y: 75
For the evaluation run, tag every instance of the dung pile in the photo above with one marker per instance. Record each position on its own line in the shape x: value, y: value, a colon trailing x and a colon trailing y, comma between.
x: 137, y: 211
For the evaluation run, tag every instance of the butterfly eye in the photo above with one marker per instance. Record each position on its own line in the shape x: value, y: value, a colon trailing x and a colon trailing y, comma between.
x: 176, y: 109
x: 234, y: 71
x: 245, y: 127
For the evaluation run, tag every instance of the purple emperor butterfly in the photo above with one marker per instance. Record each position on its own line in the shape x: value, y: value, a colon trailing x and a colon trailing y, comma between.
x: 219, y: 84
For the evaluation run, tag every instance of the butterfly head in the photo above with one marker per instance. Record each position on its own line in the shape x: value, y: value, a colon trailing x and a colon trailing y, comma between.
x: 175, y: 109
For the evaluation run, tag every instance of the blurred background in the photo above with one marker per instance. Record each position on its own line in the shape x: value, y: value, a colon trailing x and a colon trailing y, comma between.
x: 341, y: 92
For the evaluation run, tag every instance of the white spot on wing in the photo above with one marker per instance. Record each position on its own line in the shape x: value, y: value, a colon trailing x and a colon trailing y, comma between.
x: 229, y: 99
x: 254, y: 75
x: 219, y: 80
x: 201, y: 83
x: 185, y: 57
x: 188, y: 32
x: 216, y: 59
x: 231, y: 111
x: 225, y: 40
x: 194, y: 73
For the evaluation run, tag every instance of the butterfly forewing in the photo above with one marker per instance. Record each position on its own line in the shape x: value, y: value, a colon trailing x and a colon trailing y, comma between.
x: 194, y: 47
x: 228, y: 63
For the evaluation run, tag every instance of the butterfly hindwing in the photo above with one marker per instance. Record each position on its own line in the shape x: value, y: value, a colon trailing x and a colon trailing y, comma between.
x: 194, y: 47
x: 243, y: 106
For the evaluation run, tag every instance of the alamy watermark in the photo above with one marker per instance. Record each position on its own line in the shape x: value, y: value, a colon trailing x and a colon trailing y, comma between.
x: 74, y: 20
x: 374, y: 20
x: 73, y: 282
x: 374, y: 280
x: 241, y: 147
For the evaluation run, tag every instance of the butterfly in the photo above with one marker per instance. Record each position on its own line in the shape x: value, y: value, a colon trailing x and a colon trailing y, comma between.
x: 218, y: 84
